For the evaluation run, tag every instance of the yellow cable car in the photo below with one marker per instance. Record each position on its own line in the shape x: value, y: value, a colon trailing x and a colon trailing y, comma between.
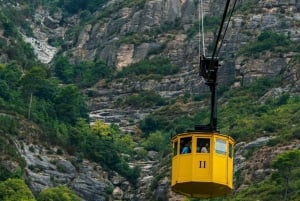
x: 205, y: 170
x: 202, y: 163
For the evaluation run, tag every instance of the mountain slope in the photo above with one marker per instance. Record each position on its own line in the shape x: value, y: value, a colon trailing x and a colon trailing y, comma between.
x: 137, y: 63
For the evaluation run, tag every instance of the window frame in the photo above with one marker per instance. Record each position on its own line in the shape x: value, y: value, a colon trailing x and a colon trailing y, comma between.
x: 220, y: 146
x: 201, y: 142
x: 175, y: 148
x: 183, y: 141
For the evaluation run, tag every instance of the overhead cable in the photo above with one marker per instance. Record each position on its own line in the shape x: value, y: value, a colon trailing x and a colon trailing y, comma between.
x: 221, y: 27
x: 202, y: 25
x: 230, y: 15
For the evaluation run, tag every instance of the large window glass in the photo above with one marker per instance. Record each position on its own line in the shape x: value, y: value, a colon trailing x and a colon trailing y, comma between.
x: 175, y: 146
x: 186, y: 145
x: 203, y: 145
x: 221, y: 146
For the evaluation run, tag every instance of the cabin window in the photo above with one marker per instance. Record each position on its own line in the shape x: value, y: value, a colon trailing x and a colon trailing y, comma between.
x: 186, y: 145
x: 175, y: 148
x: 203, y: 145
x: 221, y: 146
x: 230, y: 150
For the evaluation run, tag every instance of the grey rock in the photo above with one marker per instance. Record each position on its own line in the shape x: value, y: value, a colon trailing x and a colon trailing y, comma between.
x: 258, y: 142
x: 65, y: 166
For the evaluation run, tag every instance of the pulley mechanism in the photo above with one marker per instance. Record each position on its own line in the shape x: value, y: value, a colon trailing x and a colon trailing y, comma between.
x: 209, y: 70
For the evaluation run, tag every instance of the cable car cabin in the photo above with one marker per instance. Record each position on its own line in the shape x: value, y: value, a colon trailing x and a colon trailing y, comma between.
x: 202, y: 164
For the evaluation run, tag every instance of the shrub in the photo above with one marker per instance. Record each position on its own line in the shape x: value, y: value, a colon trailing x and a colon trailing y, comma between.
x: 59, y: 193
x: 155, y: 141
x: 267, y: 40
x: 9, y: 125
x: 157, y: 65
x: 82, y: 74
x: 142, y: 100
x: 152, y: 123
x: 15, y: 189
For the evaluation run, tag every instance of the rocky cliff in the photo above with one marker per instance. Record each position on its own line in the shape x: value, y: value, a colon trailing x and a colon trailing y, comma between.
x: 122, y: 35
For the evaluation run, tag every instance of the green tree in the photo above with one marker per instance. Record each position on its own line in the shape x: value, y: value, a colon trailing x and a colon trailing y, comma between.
x: 104, y: 130
x: 87, y: 73
x: 59, y: 193
x: 94, y: 4
x: 155, y: 141
x: 82, y: 74
x: 267, y: 40
x: 286, y: 164
x: 4, y: 90
x: 152, y: 123
x: 70, y: 104
x: 10, y: 29
x: 73, y: 7
x: 64, y: 70
x: 37, y: 83
x: 11, y: 74
x: 155, y: 66
x: 125, y: 143
x: 15, y: 190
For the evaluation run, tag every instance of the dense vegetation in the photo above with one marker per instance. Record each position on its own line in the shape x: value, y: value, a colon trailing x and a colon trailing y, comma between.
x: 242, y: 114
x: 30, y: 92
x: 73, y: 8
x: 271, y: 41
x: 60, y: 110
x: 145, y: 99
x: 17, y: 190
x: 83, y: 74
x: 154, y: 68
x: 283, y: 183
x: 58, y: 193
x: 11, y: 43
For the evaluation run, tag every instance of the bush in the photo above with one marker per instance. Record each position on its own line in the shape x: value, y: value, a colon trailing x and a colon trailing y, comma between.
x: 73, y: 8
x: 267, y: 40
x: 59, y: 193
x: 157, y: 65
x: 15, y: 190
x: 4, y: 173
x: 142, y: 100
x: 134, y: 38
x: 152, y: 123
x: 83, y: 74
x: 9, y: 125
x: 155, y: 141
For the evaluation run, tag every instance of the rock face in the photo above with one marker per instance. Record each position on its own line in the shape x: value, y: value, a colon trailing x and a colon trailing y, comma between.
x: 45, y: 29
x: 102, y: 105
x: 45, y: 168
x: 253, y: 160
x: 182, y: 49
x: 131, y: 34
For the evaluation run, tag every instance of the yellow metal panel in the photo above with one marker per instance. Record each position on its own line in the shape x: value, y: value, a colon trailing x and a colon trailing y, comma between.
x: 220, y: 169
x: 230, y: 172
x: 185, y: 168
x: 175, y: 171
x: 202, y: 167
